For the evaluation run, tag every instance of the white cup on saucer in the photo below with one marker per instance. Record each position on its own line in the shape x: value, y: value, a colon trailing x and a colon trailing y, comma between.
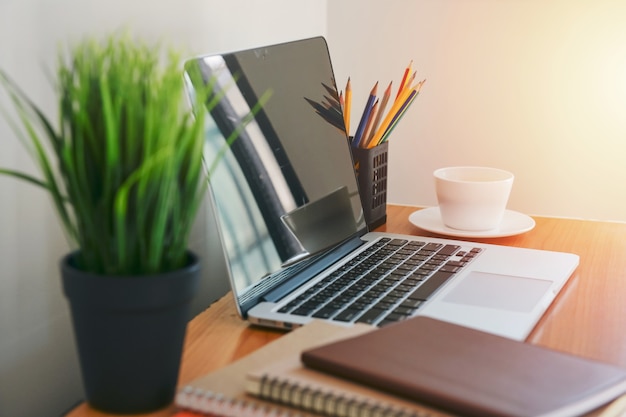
x: 472, y: 198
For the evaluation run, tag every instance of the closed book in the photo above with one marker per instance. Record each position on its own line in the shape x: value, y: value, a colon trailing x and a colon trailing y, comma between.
x: 470, y: 372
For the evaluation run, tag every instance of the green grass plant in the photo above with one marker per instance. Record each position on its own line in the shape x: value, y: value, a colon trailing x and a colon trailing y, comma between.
x: 124, y: 164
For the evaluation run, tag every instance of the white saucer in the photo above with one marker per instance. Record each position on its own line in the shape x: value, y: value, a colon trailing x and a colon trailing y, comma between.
x: 513, y: 223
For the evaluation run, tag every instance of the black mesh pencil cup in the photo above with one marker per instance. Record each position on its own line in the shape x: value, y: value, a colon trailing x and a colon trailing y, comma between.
x: 370, y: 166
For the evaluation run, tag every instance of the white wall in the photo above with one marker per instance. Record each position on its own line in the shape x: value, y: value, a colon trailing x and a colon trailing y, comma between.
x: 38, y: 370
x: 534, y: 86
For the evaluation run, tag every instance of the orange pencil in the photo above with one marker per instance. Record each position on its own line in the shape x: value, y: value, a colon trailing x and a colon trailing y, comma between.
x: 404, y: 78
x: 410, y: 80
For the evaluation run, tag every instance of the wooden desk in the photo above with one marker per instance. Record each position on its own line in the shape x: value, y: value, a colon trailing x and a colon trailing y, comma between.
x: 588, y: 318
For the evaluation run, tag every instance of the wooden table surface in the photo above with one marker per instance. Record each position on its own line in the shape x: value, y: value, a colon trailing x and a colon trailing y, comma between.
x: 588, y: 318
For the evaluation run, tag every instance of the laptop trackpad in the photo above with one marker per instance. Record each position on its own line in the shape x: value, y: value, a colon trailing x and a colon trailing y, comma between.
x: 504, y: 292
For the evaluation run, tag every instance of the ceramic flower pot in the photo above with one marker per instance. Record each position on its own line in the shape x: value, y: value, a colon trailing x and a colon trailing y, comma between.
x: 129, y: 333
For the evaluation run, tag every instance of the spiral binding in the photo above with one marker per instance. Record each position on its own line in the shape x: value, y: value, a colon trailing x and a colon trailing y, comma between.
x: 327, y: 402
x: 218, y: 405
x: 291, y: 394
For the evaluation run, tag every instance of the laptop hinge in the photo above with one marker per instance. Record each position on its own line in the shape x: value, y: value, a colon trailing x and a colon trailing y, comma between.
x: 314, y: 269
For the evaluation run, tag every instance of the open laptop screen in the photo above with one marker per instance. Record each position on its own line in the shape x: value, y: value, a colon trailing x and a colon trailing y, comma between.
x: 285, y: 189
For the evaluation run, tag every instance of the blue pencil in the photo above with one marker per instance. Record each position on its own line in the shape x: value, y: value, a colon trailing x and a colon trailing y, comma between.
x: 364, y: 118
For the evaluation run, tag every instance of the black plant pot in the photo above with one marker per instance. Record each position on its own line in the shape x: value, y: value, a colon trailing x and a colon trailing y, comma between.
x: 129, y: 333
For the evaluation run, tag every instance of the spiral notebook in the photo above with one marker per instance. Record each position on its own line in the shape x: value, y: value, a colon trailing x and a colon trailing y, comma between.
x: 289, y: 383
x: 229, y: 391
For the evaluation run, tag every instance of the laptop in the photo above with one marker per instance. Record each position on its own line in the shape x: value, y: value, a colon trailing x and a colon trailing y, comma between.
x: 291, y: 224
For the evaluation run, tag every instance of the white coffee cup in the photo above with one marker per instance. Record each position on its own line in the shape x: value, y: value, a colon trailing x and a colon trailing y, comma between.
x: 472, y: 198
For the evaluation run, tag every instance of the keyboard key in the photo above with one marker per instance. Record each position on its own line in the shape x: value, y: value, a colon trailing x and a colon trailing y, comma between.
x: 302, y: 311
x: 447, y: 268
x: 449, y: 250
x: 413, y: 280
x: 392, y: 297
x: 397, y: 242
x: 412, y: 303
x: 385, y: 305
x: 432, y: 284
x: 433, y: 246
x: 371, y: 316
x: 404, y: 310
x: 325, y: 313
x: 348, y: 315
x: 391, y: 317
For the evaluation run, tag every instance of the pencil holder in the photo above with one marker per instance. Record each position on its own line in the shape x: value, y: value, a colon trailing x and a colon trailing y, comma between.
x: 370, y: 166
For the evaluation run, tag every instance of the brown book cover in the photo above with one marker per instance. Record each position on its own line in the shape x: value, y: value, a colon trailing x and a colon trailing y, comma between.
x: 470, y: 372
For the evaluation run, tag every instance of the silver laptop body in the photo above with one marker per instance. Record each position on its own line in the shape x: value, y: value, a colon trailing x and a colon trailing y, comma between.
x: 291, y: 222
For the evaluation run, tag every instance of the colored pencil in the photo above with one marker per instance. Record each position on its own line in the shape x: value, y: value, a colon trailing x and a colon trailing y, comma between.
x: 364, y: 118
x: 404, y: 78
x: 370, y: 124
x: 379, y: 115
x: 410, y: 80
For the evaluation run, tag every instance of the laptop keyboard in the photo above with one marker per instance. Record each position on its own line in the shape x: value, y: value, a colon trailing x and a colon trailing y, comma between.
x: 385, y: 283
